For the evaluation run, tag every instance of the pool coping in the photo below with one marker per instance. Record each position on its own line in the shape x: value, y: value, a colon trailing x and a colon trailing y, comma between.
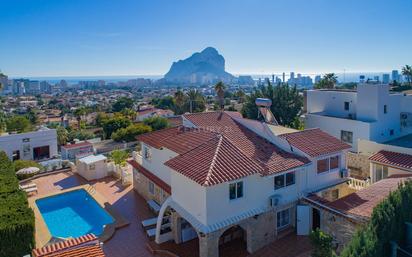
x: 42, y: 233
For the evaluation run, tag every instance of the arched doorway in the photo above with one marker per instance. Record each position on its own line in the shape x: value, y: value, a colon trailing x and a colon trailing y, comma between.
x: 233, y: 242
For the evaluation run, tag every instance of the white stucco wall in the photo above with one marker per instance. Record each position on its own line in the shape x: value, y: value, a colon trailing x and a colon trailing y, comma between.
x: 100, y: 170
x: 334, y: 126
x: 156, y: 164
x: 25, y: 142
x: 331, y: 102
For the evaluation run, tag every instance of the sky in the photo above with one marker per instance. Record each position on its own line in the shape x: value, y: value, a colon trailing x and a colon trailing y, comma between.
x: 144, y: 37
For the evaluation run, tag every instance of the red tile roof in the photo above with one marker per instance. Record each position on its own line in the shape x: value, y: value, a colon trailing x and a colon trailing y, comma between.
x: 315, y: 142
x: 83, y: 246
x: 155, y: 179
x: 81, y: 144
x: 399, y: 160
x: 177, y: 139
x: 213, y: 162
x: 220, y: 149
x: 362, y: 202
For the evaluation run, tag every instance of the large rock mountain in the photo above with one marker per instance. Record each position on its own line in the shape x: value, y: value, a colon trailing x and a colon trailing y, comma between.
x: 205, y: 67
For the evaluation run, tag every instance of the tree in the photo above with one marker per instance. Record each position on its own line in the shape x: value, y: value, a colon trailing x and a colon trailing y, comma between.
x: 19, y: 124
x: 156, y: 122
x: 130, y: 133
x: 195, y: 101
x: 122, y: 103
x: 119, y: 157
x: 80, y: 135
x: 180, y: 100
x: 387, y: 223
x: 79, y: 113
x: 220, y: 92
x: 407, y: 72
x: 167, y: 102
x: 113, y: 124
x: 62, y: 135
x: 286, y: 103
x: 322, y: 244
x: 129, y: 113
x: 240, y: 95
x: 32, y: 116
x: 328, y: 81
x: 101, y: 118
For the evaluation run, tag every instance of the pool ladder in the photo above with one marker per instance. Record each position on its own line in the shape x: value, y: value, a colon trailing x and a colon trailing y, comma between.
x: 91, y: 189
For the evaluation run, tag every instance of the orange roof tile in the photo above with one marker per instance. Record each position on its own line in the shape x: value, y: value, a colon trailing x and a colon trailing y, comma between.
x: 399, y: 160
x: 315, y: 142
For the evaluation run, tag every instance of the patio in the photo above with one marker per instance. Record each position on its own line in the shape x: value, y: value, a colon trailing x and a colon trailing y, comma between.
x: 132, y: 241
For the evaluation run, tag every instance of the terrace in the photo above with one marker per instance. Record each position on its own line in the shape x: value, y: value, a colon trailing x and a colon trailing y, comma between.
x: 131, y: 240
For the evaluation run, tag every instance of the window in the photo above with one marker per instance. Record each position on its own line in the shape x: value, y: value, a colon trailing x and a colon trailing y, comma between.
x: 151, y: 188
x: 346, y: 106
x: 16, y: 155
x: 323, y: 165
x: 42, y: 152
x: 283, y: 218
x: 385, y: 109
x: 147, y: 154
x: 284, y: 180
x: 334, y: 162
x: 92, y: 167
x: 346, y: 136
x: 391, y: 132
x: 381, y: 172
x: 235, y: 190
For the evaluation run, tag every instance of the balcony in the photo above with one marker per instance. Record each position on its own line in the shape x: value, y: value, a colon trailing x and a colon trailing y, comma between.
x: 358, y: 184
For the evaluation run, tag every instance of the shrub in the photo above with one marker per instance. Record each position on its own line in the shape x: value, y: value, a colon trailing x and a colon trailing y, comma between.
x: 129, y: 134
x: 322, y: 244
x: 156, y: 122
x: 16, y: 217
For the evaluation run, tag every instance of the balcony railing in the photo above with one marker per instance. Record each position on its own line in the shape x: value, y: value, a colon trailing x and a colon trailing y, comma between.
x: 358, y: 184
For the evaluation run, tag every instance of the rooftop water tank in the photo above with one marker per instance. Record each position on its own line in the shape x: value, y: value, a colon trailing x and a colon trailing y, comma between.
x: 264, y: 102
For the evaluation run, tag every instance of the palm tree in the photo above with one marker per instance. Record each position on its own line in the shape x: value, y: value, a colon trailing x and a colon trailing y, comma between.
x: 220, y: 92
x: 195, y: 100
x: 179, y: 102
x: 407, y: 72
x: 79, y: 113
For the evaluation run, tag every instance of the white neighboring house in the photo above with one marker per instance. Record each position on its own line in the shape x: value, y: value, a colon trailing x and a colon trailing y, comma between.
x: 151, y: 112
x: 371, y: 113
x: 36, y: 145
x: 225, y: 178
x: 77, y: 150
x: 92, y: 167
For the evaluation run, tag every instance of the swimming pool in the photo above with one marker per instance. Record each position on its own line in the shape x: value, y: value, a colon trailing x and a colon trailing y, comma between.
x: 73, y: 214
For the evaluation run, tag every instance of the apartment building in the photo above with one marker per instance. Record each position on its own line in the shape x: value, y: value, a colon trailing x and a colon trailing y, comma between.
x: 370, y: 113
x: 221, y: 177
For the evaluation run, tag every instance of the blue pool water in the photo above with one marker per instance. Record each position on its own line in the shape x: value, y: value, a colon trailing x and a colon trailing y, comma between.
x: 73, y: 214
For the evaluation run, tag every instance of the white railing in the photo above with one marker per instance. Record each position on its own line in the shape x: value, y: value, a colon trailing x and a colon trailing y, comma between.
x: 137, y: 157
x: 358, y: 184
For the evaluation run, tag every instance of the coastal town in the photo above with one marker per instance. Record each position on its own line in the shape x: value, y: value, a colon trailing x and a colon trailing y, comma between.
x: 202, y: 162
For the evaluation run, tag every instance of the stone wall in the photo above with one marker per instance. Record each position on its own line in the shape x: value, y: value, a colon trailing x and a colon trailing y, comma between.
x: 141, y: 185
x: 339, y: 227
x: 358, y: 164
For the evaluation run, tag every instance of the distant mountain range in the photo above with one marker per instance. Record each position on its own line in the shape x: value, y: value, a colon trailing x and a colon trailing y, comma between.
x: 205, y: 67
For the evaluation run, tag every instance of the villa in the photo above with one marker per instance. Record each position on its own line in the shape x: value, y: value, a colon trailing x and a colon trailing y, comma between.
x: 370, y: 112
x: 222, y: 178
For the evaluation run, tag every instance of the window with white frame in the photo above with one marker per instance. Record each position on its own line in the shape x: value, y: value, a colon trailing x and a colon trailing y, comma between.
x: 381, y: 172
x: 147, y: 153
x: 328, y: 164
x: 283, y: 219
x: 151, y: 188
x: 236, y: 190
x: 284, y: 180
x: 346, y: 136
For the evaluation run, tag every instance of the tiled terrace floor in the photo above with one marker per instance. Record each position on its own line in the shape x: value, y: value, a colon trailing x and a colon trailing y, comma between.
x: 131, y: 240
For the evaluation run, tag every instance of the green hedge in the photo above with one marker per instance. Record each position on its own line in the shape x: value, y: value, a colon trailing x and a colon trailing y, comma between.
x: 16, y: 217
x: 386, y: 224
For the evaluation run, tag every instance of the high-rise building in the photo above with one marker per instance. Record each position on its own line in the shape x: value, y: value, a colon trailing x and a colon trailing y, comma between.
x: 385, y: 78
x: 317, y: 78
x: 361, y: 78
x: 395, y: 75
x: 283, y: 77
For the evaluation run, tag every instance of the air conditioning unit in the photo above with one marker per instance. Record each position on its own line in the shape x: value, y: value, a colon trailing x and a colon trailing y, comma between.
x: 274, y: 200
x: 344, y: 173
